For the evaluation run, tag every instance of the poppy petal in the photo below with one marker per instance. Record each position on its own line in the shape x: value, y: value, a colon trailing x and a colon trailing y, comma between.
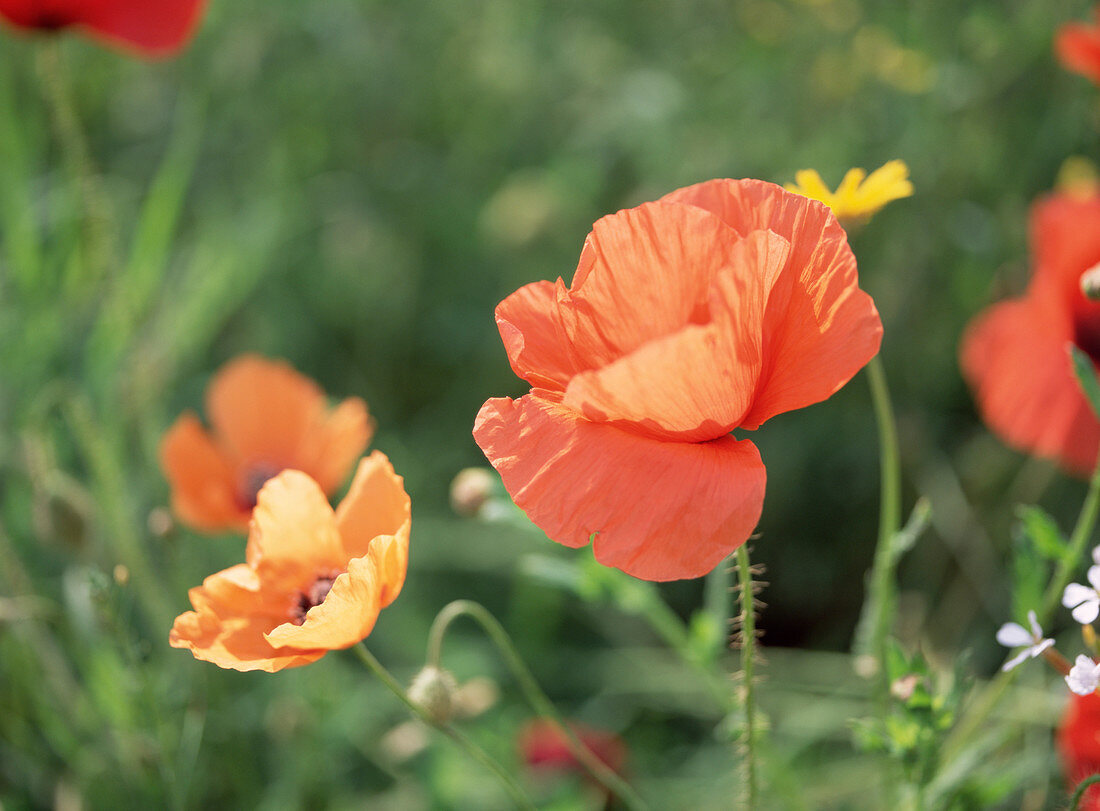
x: 530, y: 325
x: 345, y: 616
x: 293, y: 536
x: 1014, y: 355
x: 645, y: 273
x: 819, y: 327
x: 203, y: 484
x: 337, y: 443
x: 239, y: 404
x: 1078, y: 49
x: 695, y: 384
x: 228, y: 626
x: 659, y: 510
x: 375, y: 518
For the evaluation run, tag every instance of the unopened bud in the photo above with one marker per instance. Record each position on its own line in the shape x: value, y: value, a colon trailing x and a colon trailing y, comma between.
x: 433, y: 689
x: 160, y: 522
x: 1090, y: 282
x: 470, y: 490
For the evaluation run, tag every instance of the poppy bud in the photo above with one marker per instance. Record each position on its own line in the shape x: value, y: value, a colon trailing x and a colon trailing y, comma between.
x: 1090, y: 283
x: 433, y: 689
x: 470, y: 490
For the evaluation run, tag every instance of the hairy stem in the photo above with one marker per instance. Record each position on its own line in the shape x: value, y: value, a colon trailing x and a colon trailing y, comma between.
x: 748, y: 663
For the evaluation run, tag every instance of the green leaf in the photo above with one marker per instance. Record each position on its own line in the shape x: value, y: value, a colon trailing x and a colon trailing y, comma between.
x: 1086, y: 376
x: 1043, y: 532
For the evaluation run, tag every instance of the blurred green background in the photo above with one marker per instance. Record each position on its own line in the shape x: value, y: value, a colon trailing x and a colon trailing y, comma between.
x: 353, y: 186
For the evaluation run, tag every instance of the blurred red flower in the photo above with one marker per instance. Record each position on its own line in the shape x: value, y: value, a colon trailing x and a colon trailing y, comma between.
x: 1079, y: 745
x: 151, y: 27
x: 314, y: 580
x: 1077, y: 46
x: 1014, y: 355
x: 543, y: 748
x: 266, y: 417
x: 714, y: 308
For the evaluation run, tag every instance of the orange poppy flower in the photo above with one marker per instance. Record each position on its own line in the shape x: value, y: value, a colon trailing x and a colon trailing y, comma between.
x: 314, y: 580
x: 157, y: 28
x: 1014, y: 354
x: 265, y: 418
x: 1077, y: 46
x: 714, y: 308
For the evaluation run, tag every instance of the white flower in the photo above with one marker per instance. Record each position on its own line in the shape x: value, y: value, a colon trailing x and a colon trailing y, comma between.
x: 1084, y: 676
x: 1085, y: 601
x: 1013, y: 635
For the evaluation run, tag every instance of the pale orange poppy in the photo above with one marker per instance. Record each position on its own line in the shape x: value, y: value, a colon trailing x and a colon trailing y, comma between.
x: 265, y: 417
x: 314, y: 580
x: 712, y: 309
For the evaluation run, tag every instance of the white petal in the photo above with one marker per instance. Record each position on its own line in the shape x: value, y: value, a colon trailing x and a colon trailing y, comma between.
x: 1012, y: 635
x: 1075, y: 594
x: 1033, y: 621
x: 1083, y: 678
x: 1096, y: 555
x: 1088, y: 611
x: 1015, y: 661
x: 1093, y: 575
x: 1037, y: 650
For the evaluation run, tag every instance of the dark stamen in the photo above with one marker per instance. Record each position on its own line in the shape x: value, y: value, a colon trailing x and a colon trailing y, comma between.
x: 253, y: 481
x: 313, y: 596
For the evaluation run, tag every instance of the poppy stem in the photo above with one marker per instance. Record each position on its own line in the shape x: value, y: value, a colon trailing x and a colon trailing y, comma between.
x: 461, y: 740
x: 538, y: 699
x: 98, y: 220
x: 748, y: 662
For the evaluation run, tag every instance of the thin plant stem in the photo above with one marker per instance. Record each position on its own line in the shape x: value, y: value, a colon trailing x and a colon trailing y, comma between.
x: 539, y: 701
x: 98, y: 219
x: 1079, y: 792
x: 882, y: 587
x: 1082, y: 533
x: 461, y: 740
x: 748, y: 665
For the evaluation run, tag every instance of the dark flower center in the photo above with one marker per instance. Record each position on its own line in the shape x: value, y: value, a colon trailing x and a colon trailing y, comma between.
x: 1086, y: 327
x: 253, y: 480
x: 312, y: 596
x: 50, y: 20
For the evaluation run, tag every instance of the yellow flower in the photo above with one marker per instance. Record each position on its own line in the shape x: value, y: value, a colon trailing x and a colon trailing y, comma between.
x: 858, y: 196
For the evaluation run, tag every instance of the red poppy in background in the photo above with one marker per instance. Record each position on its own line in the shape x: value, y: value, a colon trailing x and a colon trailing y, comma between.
x: 1014, y: 354
x: 543, y: 748
x: 714, y: 308
x: 1077, y: 46
x: 152, y: 27
x: 266, y: 417
x: 314, y: 580
x: 1079, y: 745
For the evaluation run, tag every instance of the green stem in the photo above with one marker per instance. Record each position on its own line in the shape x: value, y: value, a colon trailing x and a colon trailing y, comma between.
x: 530, y: 687
x: 882, y: 586
x: 748, y: 663
x: 462, y: 741
x: 1079, y: 793
x: 1082, y: 533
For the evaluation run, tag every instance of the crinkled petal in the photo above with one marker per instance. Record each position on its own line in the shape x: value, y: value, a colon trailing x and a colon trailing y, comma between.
x: 345, y: 617
x: 204, y: 488
x: 819, y: 327
x: 375, y: 519
x: 293, y: 538
x: 697, y: 383
x: 658, y: 510
x: 1015, y: 358
x: 1013, y: 635
x: 1088, y: 611
x: 233, y: 611
x: 534, y: 337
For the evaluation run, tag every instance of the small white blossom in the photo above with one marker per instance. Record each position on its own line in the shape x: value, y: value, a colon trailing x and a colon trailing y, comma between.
x: 1084, y: 676
x: 1085, y: 600
x: 1014, y: 635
